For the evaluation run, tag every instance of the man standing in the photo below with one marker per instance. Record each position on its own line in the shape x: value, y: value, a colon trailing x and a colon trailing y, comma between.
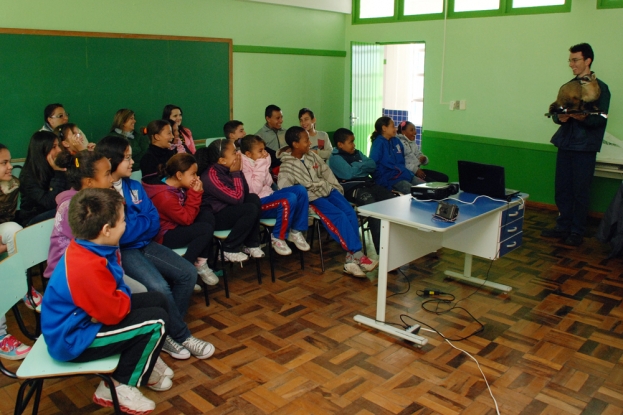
x: 578, y: 139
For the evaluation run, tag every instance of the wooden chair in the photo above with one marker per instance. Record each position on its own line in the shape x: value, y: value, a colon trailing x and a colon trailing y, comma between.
x: 268, y: 225
x: 181, y: 252
x: 38, y: 364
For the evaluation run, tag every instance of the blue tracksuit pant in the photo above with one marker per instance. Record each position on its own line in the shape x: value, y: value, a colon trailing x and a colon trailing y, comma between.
x: 339, y: 219
x: 289, y: 206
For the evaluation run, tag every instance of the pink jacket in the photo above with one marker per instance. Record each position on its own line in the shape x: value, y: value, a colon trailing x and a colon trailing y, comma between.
x: 258, y: 175
x: 187, y: 135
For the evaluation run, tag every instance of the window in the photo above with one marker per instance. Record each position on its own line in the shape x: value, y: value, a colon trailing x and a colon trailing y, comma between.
x: 382, y: 11
x: 609, y: 4
x: 475, y: 5
x: 537, y: 3
x: 418, y: 7
x: 376, y: 8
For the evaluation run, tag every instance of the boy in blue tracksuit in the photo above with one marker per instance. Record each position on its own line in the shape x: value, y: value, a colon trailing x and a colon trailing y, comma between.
x: 353, y: 169
x: 388, y: 153
x: 89, y: 312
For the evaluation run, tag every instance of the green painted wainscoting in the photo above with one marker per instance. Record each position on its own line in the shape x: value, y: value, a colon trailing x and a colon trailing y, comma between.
x: 529, y: 167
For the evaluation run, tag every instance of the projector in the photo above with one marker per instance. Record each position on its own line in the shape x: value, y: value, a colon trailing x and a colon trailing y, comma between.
x: 434, y: 190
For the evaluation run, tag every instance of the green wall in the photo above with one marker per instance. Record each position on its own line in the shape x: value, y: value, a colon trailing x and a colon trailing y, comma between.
x: 528, y: 167
x: 509, y: 70
x: 290, y: 81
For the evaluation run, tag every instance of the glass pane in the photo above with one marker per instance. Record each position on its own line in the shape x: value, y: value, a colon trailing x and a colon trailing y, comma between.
x: 375, y: 8
x: 475, y: 5
x: 536, y: 3
x: 423, y: 7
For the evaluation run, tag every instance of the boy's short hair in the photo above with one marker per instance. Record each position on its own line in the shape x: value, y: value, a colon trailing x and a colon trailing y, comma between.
x: 341, y: 135
x: 586, y: 49
x: 91, y: 209
x: 230, y: 127
x: 268, y: 112
x: 249, y: 141
x: 293, y: 135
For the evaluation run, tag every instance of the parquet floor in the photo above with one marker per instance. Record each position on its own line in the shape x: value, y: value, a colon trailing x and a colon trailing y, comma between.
x: 554, y: 345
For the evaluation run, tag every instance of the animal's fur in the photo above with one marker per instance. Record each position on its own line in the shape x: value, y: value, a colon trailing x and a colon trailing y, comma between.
x: 577, y: 95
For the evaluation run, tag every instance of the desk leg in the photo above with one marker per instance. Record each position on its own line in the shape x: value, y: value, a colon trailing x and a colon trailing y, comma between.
x: 381, y: 297
x: 467, y: 277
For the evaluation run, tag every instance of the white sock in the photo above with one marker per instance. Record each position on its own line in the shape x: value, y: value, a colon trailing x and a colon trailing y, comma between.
x: 200, y: 261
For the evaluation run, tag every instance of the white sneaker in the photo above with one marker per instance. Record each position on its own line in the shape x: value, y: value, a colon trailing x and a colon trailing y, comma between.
x: 235, y: 256
x: 367, y: 264
x: 159, y: 382
x: 176, y: 350
x: 198, y: 348
x: 162, y: 367
x: 253, y: 252
x: 131, y: 400
x: 207, y: 275
x: 299, y: 240
x: 197, y: 288
x: 280, y: 246
x: 354, y: 270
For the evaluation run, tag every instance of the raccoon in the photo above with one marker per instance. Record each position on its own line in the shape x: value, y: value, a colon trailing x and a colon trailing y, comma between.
x: 577, y: 95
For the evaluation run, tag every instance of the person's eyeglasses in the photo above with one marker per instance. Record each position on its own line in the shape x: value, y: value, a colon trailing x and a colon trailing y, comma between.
x: 65, y: 115
x: 575, y: 60
x: 128, y: 158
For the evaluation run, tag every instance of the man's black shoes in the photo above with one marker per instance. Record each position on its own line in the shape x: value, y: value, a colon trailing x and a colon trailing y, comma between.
x: 575, y: 239
x: 555, y: 233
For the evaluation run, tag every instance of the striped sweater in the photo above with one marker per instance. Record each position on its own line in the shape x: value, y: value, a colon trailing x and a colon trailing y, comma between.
x: 222, y: 188
x: 310, y: 171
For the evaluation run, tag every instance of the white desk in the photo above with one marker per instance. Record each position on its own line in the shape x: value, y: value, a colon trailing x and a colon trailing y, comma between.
x: 487, y: 228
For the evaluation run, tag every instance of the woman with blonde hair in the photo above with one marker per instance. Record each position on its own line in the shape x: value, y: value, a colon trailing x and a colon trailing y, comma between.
x: 123, y: 126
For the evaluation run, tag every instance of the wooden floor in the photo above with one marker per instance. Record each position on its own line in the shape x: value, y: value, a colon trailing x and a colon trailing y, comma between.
x: 554, y: 345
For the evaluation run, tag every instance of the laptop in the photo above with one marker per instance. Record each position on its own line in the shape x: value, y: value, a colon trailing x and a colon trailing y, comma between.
x: 484, y: 179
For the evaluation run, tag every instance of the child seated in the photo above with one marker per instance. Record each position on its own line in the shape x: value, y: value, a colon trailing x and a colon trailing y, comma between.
x: 159, y: 151
x: 148, y: 262
x: 388, y: 153
x: 85, y: 169
x: 177, y: 144
x: 88, y: 312
x: 177, y: 197
x: 226, y: 195
x: 10, y: 347
x: 234, y: 131
x: 353, y: 169
x: 413, y: 155
x: 299, y: 165
x: 289, y: 205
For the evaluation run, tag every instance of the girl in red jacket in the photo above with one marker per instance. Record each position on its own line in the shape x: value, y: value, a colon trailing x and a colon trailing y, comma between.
x: 178, y: 197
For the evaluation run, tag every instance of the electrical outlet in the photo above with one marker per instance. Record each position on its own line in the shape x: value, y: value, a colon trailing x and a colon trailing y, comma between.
x: 462, y: 104
x: 453, y: 105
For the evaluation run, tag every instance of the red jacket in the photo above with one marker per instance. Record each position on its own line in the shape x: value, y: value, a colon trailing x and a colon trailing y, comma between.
x: 175, y: 206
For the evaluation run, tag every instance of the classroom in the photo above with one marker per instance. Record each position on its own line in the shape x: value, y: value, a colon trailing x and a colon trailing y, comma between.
x: 554, y: 345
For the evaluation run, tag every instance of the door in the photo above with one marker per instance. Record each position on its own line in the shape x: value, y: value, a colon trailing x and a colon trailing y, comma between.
x: 366, y: 91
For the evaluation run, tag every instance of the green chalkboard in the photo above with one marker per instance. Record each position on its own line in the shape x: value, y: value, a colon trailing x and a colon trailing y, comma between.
x: 95, y: 74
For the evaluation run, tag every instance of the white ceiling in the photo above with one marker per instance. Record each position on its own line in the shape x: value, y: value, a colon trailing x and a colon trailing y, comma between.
x: 340, y: 6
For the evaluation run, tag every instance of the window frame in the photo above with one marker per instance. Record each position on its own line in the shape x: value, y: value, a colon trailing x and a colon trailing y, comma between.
x: 609, y: 4
x: 506, y: 9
